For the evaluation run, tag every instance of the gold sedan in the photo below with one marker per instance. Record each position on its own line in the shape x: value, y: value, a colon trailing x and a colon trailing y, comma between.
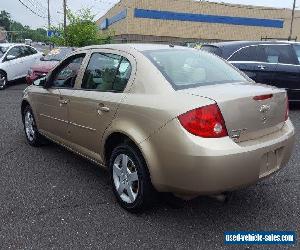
x: 161, y: 118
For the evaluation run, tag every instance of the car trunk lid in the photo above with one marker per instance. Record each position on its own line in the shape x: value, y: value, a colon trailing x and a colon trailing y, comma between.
x: 250, y: 110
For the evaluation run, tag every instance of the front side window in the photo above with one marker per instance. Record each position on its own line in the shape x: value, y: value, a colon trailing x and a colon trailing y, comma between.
x: 297, y: 50
x: 106, y: 72
x: 251, y: 53
x: 279, y: 54
x: 16, y: 52
x: 66, y: 75
x: 190, y: 68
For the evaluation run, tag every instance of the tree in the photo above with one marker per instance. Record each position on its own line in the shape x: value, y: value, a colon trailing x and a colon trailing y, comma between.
x: 81, y: 30
x: 5, y: 20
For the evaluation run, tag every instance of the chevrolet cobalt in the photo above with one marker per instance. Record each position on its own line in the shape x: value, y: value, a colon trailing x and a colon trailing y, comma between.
x: 161, y: 118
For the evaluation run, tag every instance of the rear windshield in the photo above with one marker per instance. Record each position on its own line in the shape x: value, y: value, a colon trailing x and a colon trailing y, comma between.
x: 185, y: 68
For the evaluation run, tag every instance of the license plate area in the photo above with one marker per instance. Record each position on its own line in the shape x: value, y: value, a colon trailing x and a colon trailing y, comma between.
x: 270, y: 162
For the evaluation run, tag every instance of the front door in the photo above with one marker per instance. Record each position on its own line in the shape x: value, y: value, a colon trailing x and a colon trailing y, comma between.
x: 53, y: 102
x: 94, y: 104
x: 13, y: 63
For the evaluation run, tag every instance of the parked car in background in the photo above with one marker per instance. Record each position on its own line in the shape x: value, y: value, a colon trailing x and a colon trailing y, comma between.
x: 161, y: 118
x: 273, y: 63
x: 47, y: 63
x: 15, y: 61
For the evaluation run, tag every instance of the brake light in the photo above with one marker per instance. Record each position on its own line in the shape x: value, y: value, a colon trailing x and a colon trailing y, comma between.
x: 262, y: 97
x: 287, y: 108
x: 206, y: 122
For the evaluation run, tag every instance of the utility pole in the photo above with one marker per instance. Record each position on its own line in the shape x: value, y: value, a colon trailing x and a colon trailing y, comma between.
x: 49, y: 18
x: 292, y: 22
x: 65, y: 14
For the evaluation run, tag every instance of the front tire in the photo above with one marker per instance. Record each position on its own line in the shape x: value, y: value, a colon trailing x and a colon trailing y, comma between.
x: 130, y: 178
x: 34, y: 138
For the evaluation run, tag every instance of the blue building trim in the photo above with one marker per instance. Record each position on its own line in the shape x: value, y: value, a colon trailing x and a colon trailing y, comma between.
x: 180, y: 16
x: 116, y: 18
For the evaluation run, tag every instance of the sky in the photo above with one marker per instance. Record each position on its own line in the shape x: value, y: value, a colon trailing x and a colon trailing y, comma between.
x: 99, y: 7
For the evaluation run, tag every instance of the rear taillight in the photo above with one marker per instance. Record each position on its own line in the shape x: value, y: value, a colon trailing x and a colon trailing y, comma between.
x: 206, y: 122
x: 287, y: 108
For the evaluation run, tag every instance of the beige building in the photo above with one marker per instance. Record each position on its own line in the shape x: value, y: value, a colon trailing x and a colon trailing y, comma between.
x: 180, y: 21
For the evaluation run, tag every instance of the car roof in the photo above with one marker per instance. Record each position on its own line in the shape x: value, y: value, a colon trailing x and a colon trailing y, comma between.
x: 228, y: 48
x: 12, y: 44
x: 133, y: 46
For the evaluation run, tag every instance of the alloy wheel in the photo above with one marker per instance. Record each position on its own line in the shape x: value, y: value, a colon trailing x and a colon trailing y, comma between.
x: 3, y: 81
x: 29, y: 126
x: 125, y: 178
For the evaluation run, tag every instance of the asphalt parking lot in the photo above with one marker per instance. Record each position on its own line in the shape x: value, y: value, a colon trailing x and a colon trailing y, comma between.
x: 53, y: 199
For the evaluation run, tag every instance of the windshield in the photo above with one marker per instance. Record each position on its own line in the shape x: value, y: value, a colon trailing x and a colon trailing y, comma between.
x: 57, y: 54
x: 3, y: 50
x: 185, y: 68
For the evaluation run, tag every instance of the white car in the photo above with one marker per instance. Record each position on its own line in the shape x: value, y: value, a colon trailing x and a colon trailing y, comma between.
x: 15, y: 61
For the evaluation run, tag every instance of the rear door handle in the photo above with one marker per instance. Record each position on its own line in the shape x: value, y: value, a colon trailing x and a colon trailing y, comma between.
x: 63, y: 101
x: 262, y: 67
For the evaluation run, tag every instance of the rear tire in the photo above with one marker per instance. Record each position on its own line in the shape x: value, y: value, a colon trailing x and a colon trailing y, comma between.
x: 130, y: 178
x: 3, y: 80
x: 34, y: 138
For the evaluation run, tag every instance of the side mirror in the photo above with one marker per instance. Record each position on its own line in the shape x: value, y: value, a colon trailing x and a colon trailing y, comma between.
x: 10, y: 57
x: 44, y: 83
x: 42, y: 58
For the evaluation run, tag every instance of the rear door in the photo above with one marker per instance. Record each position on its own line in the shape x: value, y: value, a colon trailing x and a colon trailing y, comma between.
x: 31, y: 56
x: 252, y: 60
x: 97, y: 97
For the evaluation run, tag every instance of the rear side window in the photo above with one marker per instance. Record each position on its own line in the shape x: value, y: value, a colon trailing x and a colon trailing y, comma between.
x: 297, y: 50
x: 212, y: 49
x: 28, y: 51
x: 185, y: 68
x: 251, y: 53
x: 279, y: 54
x: 106, y: 72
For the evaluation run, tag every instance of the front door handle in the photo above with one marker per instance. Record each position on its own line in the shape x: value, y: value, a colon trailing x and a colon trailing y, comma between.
x: 104, y: 109
x: 262, y: 67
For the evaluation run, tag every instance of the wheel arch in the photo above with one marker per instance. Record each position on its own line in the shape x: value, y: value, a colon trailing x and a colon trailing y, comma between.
x: 116, y: 138
x: 24, y: 104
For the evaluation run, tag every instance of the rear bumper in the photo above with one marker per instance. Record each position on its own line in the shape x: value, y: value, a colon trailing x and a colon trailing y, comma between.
x: 188, y: 165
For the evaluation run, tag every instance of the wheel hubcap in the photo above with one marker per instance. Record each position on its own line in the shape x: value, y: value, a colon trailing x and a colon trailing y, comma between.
x: 29, y: 126
x: 125, y: 178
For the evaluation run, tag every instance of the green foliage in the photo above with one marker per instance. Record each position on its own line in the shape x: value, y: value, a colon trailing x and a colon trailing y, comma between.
x: 81, y: 30
x: 4, y: 19
x: 20, y: 32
